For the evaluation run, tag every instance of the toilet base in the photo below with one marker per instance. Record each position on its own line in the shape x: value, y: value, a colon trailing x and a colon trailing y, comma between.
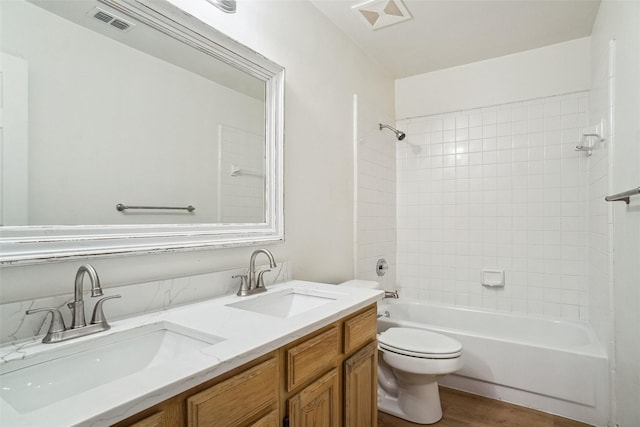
x: 418, y: 406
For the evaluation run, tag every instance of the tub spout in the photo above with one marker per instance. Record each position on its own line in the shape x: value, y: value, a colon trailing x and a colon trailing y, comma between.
x: 391, y: 294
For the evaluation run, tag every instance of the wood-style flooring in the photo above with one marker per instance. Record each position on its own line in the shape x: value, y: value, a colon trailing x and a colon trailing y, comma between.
x: 462, y: 409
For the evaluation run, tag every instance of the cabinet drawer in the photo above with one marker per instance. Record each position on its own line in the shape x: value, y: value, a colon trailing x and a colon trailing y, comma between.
x: 312, y: 357
x: 236, y: 400
x: 360, y: 329
x: 155, y: 420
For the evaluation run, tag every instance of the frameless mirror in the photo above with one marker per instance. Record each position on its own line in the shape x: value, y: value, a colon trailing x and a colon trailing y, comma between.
x: 129, y: 126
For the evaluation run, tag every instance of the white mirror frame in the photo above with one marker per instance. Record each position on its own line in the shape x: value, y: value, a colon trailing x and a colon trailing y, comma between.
x: 20, y: 245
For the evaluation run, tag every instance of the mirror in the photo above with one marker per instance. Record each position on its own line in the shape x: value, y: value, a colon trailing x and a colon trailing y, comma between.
x: 131, y: 127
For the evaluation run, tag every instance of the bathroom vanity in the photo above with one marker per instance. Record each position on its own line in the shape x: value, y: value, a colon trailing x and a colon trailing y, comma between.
x: 303, y: 380
x: 300, y: 351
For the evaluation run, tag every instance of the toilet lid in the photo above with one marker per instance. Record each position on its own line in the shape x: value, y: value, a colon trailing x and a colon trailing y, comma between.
x: 419, y: 343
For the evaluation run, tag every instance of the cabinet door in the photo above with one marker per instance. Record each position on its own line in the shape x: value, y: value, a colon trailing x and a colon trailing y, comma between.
x: 318, y: 405
x: 361, y: 387
x: 236, y: 400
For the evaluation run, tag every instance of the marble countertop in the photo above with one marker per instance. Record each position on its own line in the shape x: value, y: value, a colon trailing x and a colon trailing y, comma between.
x: 243, y: 335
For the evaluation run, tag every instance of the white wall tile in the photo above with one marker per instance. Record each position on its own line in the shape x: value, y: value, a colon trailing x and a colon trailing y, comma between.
x: 502, y: 188
x: 376, y: 191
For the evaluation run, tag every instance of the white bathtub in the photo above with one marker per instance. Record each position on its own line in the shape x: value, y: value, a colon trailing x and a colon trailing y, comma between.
x: 554, y: 366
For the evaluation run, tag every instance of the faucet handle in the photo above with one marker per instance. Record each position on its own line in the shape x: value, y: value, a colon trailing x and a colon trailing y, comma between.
x: 98, y: 312
x: 260, y: 281
x: 244, y: 284
x: 57, y: 322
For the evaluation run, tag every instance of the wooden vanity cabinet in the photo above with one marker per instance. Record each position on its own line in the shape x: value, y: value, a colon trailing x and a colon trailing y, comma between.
x: 238, y: 400
x: 310, y: 357
x: 361, y: 370
x: 318, y: 404
x: 327, y: 378
x: 245, y: 396
x: 331, y: 374
x: 158, y: 419
x: 360, y: 329
x: 361, y: 387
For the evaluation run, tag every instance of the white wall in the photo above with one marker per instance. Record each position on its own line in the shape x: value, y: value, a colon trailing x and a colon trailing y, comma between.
x: 547, y: 71
x: 323, y: 71
x: 601, y: 212
x: 620, y: 21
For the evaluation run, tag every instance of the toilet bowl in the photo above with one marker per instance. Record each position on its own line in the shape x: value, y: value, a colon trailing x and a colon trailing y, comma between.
x: 411, y: 362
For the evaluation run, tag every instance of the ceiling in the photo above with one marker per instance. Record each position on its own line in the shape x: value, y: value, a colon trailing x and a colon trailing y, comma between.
x: 443, y: 34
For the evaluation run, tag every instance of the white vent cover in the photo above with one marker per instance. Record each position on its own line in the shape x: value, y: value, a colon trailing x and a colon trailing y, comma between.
x: 110, y: 19
x: 382, y: 13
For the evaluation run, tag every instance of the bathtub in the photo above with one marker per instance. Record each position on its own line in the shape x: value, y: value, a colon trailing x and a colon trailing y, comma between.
x: 554, y: 366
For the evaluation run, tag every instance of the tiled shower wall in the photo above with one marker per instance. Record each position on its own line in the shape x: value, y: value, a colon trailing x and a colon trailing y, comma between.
x: 497, y: 188
x: 375, y: 219
x: 241, y: 194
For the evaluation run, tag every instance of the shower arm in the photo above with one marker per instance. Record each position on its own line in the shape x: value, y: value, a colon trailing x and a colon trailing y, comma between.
x: 399, y: 134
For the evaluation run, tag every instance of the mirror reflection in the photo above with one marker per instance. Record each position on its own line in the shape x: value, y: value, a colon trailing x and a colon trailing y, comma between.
x: 101, y: 110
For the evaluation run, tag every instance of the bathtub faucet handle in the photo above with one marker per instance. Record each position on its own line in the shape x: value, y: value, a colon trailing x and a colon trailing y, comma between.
x: 391, y: 294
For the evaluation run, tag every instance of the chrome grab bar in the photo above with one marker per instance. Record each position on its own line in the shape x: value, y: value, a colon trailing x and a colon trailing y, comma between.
x: 624, y: 196
x: 121, y: 208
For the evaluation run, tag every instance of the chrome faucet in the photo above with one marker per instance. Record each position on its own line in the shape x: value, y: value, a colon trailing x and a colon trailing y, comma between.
x: 57, y: 331
x: 258, y: 282
x: 391, y: 294
x: 254, y: 284
x: 77, y: 306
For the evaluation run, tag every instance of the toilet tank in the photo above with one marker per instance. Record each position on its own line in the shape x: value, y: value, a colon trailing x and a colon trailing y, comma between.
x: 366, y: 284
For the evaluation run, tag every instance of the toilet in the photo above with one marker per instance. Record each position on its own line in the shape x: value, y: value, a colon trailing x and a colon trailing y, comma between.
x: 411, y: 362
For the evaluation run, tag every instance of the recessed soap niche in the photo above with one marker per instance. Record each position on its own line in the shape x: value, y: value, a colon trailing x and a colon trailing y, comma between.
x: 492, y: 278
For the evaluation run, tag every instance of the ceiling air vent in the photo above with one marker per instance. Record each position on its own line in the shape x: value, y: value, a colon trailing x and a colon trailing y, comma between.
x: 103, y: 17
x: 111, y: 19
x: 382, y: 13
x: 120, y: 24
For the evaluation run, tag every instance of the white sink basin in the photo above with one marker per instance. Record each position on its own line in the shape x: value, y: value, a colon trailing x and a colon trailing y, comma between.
x: 286, y: 303
x: 73, y: 369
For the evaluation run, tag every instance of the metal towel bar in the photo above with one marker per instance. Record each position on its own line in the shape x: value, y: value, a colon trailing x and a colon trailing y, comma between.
x: 120, y: 207
x: 624, y: 196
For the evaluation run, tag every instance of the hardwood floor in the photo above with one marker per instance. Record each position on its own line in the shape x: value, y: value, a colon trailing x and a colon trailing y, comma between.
x: 462, y: 409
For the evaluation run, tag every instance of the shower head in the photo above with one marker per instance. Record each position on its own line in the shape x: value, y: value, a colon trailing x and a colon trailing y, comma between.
x: 399, y: 134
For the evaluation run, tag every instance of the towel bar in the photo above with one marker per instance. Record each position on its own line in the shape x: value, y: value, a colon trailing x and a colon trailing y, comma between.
x: 624, y: 196
x: 121, y: 208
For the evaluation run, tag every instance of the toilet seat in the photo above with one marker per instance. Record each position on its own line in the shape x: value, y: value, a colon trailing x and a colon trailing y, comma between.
x: 419, y: 343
